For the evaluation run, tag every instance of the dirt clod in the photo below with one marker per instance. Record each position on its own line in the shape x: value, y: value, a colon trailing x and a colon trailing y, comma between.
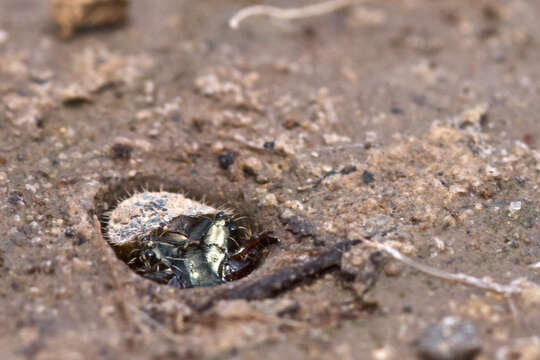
x: 73, y: 14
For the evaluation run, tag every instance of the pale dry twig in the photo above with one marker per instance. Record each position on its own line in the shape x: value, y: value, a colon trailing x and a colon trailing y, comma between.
x: 515, y: 287
x: 289, y: 14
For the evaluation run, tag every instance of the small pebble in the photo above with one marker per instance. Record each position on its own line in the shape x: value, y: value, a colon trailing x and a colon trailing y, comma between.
x: 225, y: 160
x: 514, y: 206
x: 290, y: 124
x: 270, y: 200
x: 121, y: 151
x: 450, y: 339
x: 252, y: 165
x: 333, y: 138
x: 217, y: 147
x: 348, y: 170
x: 396, y: 110
x: 407, y: 309
x: 16, y: 198
x: 439, y: 244
x: 392, y: 269
x: 75, y: 95
x: 367, y: 177
x: 261, y: 179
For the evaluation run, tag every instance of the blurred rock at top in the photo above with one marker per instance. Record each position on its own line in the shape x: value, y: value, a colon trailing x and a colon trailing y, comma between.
x: 71, y: 15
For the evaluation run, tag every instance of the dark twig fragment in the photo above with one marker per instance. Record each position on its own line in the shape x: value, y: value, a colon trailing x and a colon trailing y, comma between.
x: 285, y: 279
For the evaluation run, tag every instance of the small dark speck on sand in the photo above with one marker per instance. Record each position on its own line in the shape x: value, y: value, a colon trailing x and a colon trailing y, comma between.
x: 225, y: 160
x: 348, y: 170
x: 16, y: 198
x: 69, y: 232
x: 298, y: 226
x: 121, y: 151
x: 396, y: 110
x: 407, y: 309
x: 367, y: 177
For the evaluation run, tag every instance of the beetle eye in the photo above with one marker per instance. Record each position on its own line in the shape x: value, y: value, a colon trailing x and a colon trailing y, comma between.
x: 149, y: 255
x: 220, y: 215
x: 233, y: 227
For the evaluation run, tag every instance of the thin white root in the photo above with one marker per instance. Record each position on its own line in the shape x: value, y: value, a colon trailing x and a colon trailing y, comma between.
x: 289, y: 14
x: 515, y: 287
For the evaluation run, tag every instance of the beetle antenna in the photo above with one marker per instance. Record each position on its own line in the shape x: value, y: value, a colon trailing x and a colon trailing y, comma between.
x: 245, y: 229
x: 175, y: 258
x: 177, y: 268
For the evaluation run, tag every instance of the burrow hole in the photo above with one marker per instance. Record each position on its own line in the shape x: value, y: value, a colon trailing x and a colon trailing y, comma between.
x: 190, y: 251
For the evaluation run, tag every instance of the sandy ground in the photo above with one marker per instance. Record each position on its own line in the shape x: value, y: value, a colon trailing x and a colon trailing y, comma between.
x: 411, y: 123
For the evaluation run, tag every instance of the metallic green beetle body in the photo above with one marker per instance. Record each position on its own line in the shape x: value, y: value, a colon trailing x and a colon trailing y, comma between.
x: 198, y: 251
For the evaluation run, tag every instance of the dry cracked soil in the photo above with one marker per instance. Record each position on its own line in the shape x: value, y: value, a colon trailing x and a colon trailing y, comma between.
x: 410, y: 123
